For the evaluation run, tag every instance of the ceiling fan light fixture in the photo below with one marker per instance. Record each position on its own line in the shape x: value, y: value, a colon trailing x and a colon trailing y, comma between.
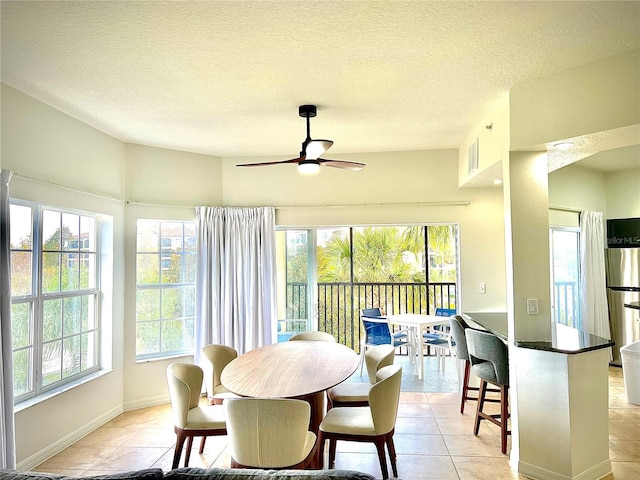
x: 314, y: 148
x: 308, y: 167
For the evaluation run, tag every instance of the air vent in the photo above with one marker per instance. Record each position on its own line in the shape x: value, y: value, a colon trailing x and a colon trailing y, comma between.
x: 473, y: 157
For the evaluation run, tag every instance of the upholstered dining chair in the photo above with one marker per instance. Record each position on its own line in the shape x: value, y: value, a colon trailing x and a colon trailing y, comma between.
x: 270, y: 433
x: 313, y: 336
x: 374, y: 423
x: 489, y: 358
x: 377, y: 331
x: 190, y: 419
x: 356, y: 394
x: 214, y: 358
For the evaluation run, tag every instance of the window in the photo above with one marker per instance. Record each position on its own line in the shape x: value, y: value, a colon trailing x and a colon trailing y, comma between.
x: 565, y: 275
x: 165, y: 291
x: 54, y: 297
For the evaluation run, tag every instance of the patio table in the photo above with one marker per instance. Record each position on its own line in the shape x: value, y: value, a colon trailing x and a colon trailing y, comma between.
x: 416, y: 324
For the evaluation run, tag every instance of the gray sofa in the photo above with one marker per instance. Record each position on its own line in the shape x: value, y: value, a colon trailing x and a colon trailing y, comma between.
x: 201, y: 474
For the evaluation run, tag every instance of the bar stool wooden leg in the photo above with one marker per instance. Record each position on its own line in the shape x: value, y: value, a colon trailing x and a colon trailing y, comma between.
x: 465, y: 384
x: 480, y: 406
x: 504, y: 415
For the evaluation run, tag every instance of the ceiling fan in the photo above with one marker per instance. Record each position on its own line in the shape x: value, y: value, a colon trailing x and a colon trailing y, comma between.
x: 309, y: 160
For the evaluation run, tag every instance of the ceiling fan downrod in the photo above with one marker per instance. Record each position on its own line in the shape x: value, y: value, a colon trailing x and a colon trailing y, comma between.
x: 307, y: 111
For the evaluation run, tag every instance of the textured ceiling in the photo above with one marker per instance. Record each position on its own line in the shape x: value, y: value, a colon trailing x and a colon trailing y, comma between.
x: 226, y: 78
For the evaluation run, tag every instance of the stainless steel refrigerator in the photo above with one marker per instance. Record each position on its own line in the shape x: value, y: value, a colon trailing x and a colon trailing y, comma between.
x: 623, y: 295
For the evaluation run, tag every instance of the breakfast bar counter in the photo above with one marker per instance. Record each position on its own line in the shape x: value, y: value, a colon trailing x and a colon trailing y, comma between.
x: 564, y: 339
x: 561, y: 407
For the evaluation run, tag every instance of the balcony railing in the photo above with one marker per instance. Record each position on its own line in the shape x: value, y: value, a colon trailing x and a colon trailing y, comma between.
x: 339, y: 304
x: 565, y: 309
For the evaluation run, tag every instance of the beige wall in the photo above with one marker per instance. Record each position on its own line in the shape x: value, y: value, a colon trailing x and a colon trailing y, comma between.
x: 170, y: 177
x: 623, y: 193
x: 576, y: 188
x: 596, y: 97
x: 161, y: 184
x: 493, y: 136
x: 616, y: 194
x: 50, y: 147
x: 43, y: 143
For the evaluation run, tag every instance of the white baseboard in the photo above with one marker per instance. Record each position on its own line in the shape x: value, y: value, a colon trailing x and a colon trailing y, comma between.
x: 68, y: 440
x: 596, y: 472
x: 146, y: 402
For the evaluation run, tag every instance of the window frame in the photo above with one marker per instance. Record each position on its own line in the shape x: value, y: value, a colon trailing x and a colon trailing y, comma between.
x: 37, y: 297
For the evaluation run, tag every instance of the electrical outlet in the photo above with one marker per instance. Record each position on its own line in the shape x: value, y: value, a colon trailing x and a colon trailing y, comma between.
x: 532, y: 306
x: 482, y: 287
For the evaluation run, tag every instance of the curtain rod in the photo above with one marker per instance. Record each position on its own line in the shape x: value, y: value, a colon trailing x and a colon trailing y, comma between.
x: 149, y: 204
x: 565, y: 209
x: 362, y: 205
x: 369, y: 205
x: 66, y: 187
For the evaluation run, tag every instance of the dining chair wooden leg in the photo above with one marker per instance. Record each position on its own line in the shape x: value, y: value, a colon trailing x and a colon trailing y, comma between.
x: 180, y: 438
x: 392, y: 454
x: 380, y: 443
x: 187, y: 454
x: 481, y: 395
x: 332, y: 452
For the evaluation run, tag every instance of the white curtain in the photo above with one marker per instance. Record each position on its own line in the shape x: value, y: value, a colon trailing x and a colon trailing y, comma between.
x: 7, y: 430
x: 593, y: 298
x: 236, y: 277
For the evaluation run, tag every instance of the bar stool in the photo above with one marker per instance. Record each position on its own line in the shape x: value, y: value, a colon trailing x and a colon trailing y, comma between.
x: 458, y: 328
x: 489, y: 358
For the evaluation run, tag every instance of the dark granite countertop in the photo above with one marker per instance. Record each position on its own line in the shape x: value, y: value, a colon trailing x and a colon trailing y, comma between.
x: 494, y: 322
x: 564, y: 339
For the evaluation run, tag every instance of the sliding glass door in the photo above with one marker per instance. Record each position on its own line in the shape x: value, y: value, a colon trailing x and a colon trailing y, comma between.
x: 326, y: 275
x: 296, y: 279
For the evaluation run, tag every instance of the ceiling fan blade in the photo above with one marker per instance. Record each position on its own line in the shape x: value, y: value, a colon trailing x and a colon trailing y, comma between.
x: 261, y: 164
x: 355, y: 166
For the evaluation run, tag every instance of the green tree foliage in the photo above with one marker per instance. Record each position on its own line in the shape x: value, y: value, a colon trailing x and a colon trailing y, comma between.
x: 381, y: 254
x: 334, y: 260
x: 297, y: 264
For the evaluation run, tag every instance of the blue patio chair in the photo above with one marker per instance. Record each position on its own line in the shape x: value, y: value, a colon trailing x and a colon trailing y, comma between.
x: 377, y: 331
x: 439, y: 337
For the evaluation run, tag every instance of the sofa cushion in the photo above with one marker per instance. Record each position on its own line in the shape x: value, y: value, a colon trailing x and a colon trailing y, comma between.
x: 149, y: 474
x: 256, y: 474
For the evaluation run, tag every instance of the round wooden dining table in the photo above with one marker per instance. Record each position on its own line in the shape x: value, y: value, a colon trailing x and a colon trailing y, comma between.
x: 300, y: 369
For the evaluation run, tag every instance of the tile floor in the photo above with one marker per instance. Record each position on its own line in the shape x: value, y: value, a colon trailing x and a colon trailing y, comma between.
x: 433, y: 440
